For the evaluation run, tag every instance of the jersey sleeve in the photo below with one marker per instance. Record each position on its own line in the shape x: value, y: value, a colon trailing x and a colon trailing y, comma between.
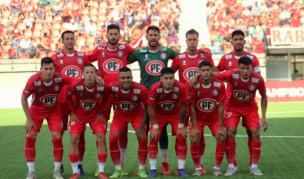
x: 191, y: 96
x: 221, y: 65
x: 183, y: 94
x: 172, y: 54
x: 104, y: 99
x: 67, y: 80
x: 152, y: 96
x: 175, y: 64
x: 224, y: 75
x: 255, y: 64
x: 28, y: 89
x: 262, y: 87
x: 86, y: 60
x: 54, y: 57
x: 92, y: 57
x: 133, y: 57
x: 209, y: 59
x: 222, y: 94
x: 70, y: 93
x: 129, y: 49
x: 144, y: 95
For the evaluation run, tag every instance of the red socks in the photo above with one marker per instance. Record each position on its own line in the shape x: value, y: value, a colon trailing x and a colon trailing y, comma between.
x: 81, y: 147
x: 195, y: 154
x: 114, y: 149
x: 123, y: 140
x: 142, y: 150
x: 219, y: 154
x: 202, y: 144
x: 74, y: 158
x: 153, y: 148
x: 250, y: 152
x: 29, y: 149
x: 256, y: 152
x: 230, y: 151
x: 181, y: 148
x: 102, y: 158
x: 58, y: 149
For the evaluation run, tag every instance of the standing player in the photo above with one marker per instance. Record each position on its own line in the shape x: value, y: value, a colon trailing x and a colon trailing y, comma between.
x: 187, y: 66
x: 166, y: 104
x: 241, y: 103
x: 70, y: 62
x: 87, y: 109
x: 151, y: 61
x: 207, y: 109
x: 131, y: 97
x: 110, y: 59
x: 44, y: 87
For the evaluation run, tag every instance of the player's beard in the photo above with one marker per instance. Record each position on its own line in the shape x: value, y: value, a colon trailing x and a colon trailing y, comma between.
x: 239, y: 49
x: 113, y: 43
x: 156, y: 44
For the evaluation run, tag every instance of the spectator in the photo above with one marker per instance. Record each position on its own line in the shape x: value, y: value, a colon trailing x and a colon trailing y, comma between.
x: 91, y: 28
x: 56, y: 8
x: 251, y: 29
x: 264, y: 8
x: 24, y: 45
x: 10, y: 27
x: 126, y: 38
x: 258, y: 47
x: 295, y: 22
x: 172, y: 38
x: 28, y: 22
x: 256, y: 10
x: 218, y: 39
x: 284, y: 17
x: 44, y: 45
x: 172, y: 30
x: 227, y: 38
x: 65, y: 13
x: 238, y: 11
x: 81, y: 28
x: 43, y: 3
x: 6, y: 37
x: 12, y: 52
x: 74, y: 26
x: 76, y: 12
x: 33, y: 51
x: 15, y: 42
x: 216, y: 49
x: 15, y: 7
x: 39, y: 14
x: 2, y: 27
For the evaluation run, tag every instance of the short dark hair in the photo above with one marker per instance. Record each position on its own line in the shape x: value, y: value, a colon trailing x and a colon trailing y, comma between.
x: 88, y: 65
x: 66, y: 32
x: 192, y: 31
x: 47, y: 60
x: 204, y: 63
x: 237, y: 32
x: 153, y: 27
x: 166, y: 70
x: 125, y: 69
x: 245, y: 61
x: 113, y: 26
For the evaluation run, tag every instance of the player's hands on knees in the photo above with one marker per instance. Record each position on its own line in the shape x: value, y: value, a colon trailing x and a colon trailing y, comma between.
x: 73, y: 118
x: 99, y: 81
x: 207, y: 52
x: 195, y: 134
x: 28, y: 125
x: 264, y: 124
x: 140, y: 132
x: 221, y: 132
x: 100, y: 117
x: 182, y: 131
x: 154, y: 134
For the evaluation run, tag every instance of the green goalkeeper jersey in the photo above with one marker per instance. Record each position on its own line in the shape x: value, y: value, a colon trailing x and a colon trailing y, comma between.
x: 151, y: 63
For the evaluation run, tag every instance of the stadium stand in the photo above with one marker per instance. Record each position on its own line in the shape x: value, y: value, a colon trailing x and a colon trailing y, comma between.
x: 35, y: 26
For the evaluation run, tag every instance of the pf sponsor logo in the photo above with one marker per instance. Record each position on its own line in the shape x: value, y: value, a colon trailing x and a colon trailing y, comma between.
x: 112, y: 65
x: 154, y: 67
x: 189, y: 73
x: 88, y: 105
x: 126, y: 106
x: 72, y: 70
x: 167, y: 105
x: 242, y: 95
x: 206, y: 105
x: 49, y: 100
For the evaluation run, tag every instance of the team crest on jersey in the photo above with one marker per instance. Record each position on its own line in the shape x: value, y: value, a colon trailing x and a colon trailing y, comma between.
x: 70, y: 92
x: 88, y: 105
x: 235, y: 76
x: 181, y: 56
x: 72, y: 70
x: 228, y: 56
x: 251, y: 87
x: 206, y: 105
x: 146, y: 57
x: 119, y: 53
x: 98, y: 95
x: 175, y: 89
x: 26, y: 90
x: 79, y: 61
x: 134, y: 98
x: 100, y: 88
x: 126, y: 106
x: 189, y: 73
x: 121, y: 46
x: 49, y: 100
x: 114, y: 88
x: 112, y: 65
x: 167, y: 105
x: 40, y: 90
x: 215, y: 92
x: 79, y: 88
x: 217, y: 84
x: 56, y: 88
x: 58, y: 80
x: 174, y: 96
x: 242, y: 95
x: 152, y: 97
x: 255, y: 80
x: 154, y: 67
x: 159, y: 90
x: 37, y: 83
x: 250, y: 56
x: 163, y: 56
x: 136, y: 91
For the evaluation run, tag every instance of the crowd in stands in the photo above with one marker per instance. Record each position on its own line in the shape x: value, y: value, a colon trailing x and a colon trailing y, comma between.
x: 254, y: 17
x: 32, y: 28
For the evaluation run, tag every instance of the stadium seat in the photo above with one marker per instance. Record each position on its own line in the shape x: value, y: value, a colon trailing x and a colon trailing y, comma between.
x: 93, y: 18
x: 85, y: 18
x: 55, y: 33
x: 93, y: 12
x: 302, y: 20
x: 84, y: 11
x: 42, y: 54
x: 49, y: 19
x: 38, y: 26
x: 94, y: 4
x: 81, y: 41
x: 102, y: 18
x: 102, y: 12
x: 6, y: 14
x: 35, y: 1
x: 28, y: 33
x: 103, y: 5
x: 21, y: 26
x: 65, y: 26
x: 4, y: 54
x: 36, y: 33
x: 57, y: 18
x: 56, y: 26
x: 302, y: 13
x: 90, y: 41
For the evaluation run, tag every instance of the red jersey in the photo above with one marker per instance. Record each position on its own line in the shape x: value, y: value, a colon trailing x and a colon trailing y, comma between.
x: 230, y: 62
x: 206, y: 99
x: 87, y: 104
x: 129, y: 104
x: 243, y: 91
x: 70, y: 66
x: 110, y: 61
x: 167, y: 102
x: 187, y: 65
x: 45, y: 97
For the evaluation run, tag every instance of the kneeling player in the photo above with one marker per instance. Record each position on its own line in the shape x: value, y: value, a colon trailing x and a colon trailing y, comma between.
x: 130, y: 100
x: 87, y: 109
x: 241, y: 103
x: 207, y: 109
x: 167, y: 105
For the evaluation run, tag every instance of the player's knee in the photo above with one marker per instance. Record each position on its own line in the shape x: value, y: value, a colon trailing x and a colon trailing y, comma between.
x: 56, y: 135
x: 231, y: 134
x: 221, y: 139
x: 249, y: 134
x: 255, y: 134
x: 114, y: 138
x: 74, y: 140
x: 101, y: 138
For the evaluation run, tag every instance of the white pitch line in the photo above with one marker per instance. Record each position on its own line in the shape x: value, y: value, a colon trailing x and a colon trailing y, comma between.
x: 273, y: 112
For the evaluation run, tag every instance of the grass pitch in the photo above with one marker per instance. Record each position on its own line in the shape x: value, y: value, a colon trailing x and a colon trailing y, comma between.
x: 282, y: 148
